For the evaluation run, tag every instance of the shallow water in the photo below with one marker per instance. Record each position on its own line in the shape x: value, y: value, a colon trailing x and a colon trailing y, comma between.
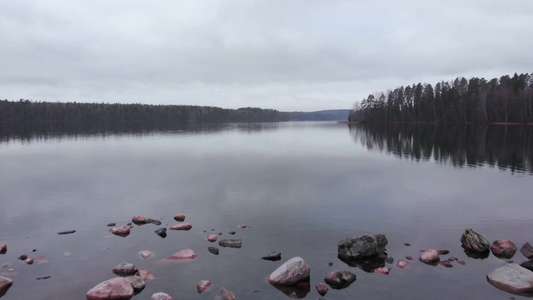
x: 300, y: 187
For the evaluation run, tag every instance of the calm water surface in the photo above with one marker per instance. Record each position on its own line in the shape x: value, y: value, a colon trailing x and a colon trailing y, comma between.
x: 301, y: 188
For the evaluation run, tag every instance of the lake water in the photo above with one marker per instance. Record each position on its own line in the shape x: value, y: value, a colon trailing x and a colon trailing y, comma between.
x: 300, y: 187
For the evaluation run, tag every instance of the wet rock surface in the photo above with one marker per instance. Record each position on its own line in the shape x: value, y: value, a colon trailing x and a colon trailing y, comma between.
x: 144, y: 254
x: 225, y: 294
x: 212, y: 238
x: 136, y: 283
x: 145, y: 275
x: 292, y: 272
x: 512, y: 278
x: 340, y: 279
x: 231, y: 243
x: 115, y: 288
x: 503, y: 249
x: 474, y: 242
x: 125, y: 269
x: 402, y: 264
x: 361, y: 247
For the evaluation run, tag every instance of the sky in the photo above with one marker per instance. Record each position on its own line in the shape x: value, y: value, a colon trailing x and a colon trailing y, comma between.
x: 290, y: 55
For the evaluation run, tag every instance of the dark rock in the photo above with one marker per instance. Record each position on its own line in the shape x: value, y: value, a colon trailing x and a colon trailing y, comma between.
x: 407, y: 244
x: 115, y: 288
x: 512, y: 278
x: 161, y: 296
x: 220, y: 233
x: 29, y: 261
x: 503, y: 249
x: 340, y: 279
x: 5, y: 284
x: 185, y: 254
x: 122, y: 231
x: 203, y: 285
x: 125, y: 269
x: 430, y: 256
x: 162, y: 232
x: 156, y: 222
x: 23, y: 257
x: 179, y: 218
x: 474, y: 242
x: 44, y: 277
x: 129, y: 224
x: 232, y: 243
x: 361, y: 247
x: 527, y: 250
x: 213, y: 250
x: 402, y: 264
x: 66, y: 232
x: 274, y: 256
x: 225, y: 294
x: 292, y: 272
x: 330, y: 264
x: 136, y: 283
x: 368, y: 265
x: 383, y: 270
x: 140, y: 220
x: 409, y: 258
x: 443, y: 252
x: 389, y: 260
x: 3, y: 248
x: 212, y: 237
x: 231, y: 232
x: 322, y: 289
x: 184, y: 226
x: 528, y: 265
x: 111, y: 224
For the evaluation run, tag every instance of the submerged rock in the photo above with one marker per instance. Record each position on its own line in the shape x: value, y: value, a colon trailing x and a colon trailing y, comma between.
x: 322, y: 289
x: 225, y: 294
x: 183, y: 226
x: 232, y: 243
x: 503, y: 249
x: 145, y: 275
x: 274, y: 256
x: 122, y: 231
x: 144, y: 254
x: 292, y: 272
x: 137, y: 283
x: 512, y: 278
x: 156, y: 222
x: 340, y: 279
x: 383, y: 270
x: 179, y: 218
x: 203, y: 285
x: 361, y: 247
x: 161, y: 296
x: 115, y: 288
x: 140, y: 220
x: 111, y: 224
x: 402, y: 264
x: 162, y: 232
x: 527, y: 250
x: 125, y: 269
x: 446, y: 263
x: 29, y: 261
x: 213, y: 250
x: 185, y: 254
x: 430, y: 256
x: 5, y: 284
x: 474, y: 242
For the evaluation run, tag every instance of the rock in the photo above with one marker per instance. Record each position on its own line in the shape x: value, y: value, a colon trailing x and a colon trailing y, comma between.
x: 44, y: 277
x: 203, y: 285
x: 407, y: 244
x: 136, y: 282
x: 5, y: 284
x: 503, y: 249
x: 162, y: 232
x: 179, y: 218
x: 527, y: 250
x: 232, y: 243
x: 402, y: 264
x: 140, y: 220
x: 231, y: 232
x: 145, y: 275
x: 156, y: 222
x: 461, y: 262
x: 3, y: 248
x: 340, y: 279
x: 66, y: 232
x: 292, y: 272
x: 29, y: 261
x: 383, y: 270
x: 212, y: 238
x: 430, y: 256
x: 474, y: 242
x: 125, y: 269
x: 446, y: 263
x: 389, y: 260
x: 512, y: 278
x: 185, y: 254
x: 184, y: 226
x: 443, y: 252
x: 144, y: 254
x: 242, y: 226
x: 322, y: 289
x: 360, y: 247
x: 213, y: 250
x: 225, y: 294
x: 160, y: 296
x: 23, y: 257
x: 115, y: 288
x: 111, y: 224
x: 274, y: 256
x: 453, y: 259
x: 409, y: 258
x: 122, y: 231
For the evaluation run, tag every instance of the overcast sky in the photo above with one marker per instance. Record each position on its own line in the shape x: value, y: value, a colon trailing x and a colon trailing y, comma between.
x: 288, y: 54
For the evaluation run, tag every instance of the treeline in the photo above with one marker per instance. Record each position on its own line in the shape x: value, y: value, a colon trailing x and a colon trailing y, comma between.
x: 32, y: 111
x: 476, y: 100
x: 506, y: 147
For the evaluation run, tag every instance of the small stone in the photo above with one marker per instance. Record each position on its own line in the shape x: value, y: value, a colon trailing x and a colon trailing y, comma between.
x: 185, y: 254
x: 111, y: 224
x: 402, y: 264
x: 184, y: 226
x: 220, y: 233
x: 453, y: 259
x: 66, y: 232
x: 160, y: 296
x: 231, y: 232
x: 28, y: 261
x: 115, y: 288
x: 383, y: 270
x: 461, y: 262
x: 212, y: 238
x: 225, y: 294
x: 203, y: 285
x: 162, y: 232
x: 474, y: 242
x: 145, y: 275
x: 136, y: 283
x: 512, y: 278
x: 291, y: 272
x: 340, y: 279
x: 179, y: 218
x: 503, y: 249
x: 527, y: 250
x: 125, y: 269
x: 274, y: 256
x: 330, y: 264
x: 144, y: 254
x: 443, y: 252
x: 446, y: 263
x: 23, y: 257
x: 322, y: 289
x: 407, y: 244
x: 140, y: 220
x: 3, y: 248
x: 389, y: 260
x: 213, y: 250
x: 5, y: 284
x: 156, y: 222
x: 243, y: 226
x: 232, y: 243
x: 429, y: 256
x: 44, y: 277
x: 122, y: 231
x: 409, y: 258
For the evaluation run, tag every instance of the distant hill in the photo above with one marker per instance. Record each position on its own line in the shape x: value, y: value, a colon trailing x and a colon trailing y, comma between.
x: 322, y: 115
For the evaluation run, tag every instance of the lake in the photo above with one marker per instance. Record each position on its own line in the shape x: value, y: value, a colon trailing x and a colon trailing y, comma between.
x: 300, y: 187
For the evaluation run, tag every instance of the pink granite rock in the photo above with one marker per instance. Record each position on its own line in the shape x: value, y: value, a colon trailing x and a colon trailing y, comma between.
x: 512, y: 278
x: 383, y: 270
x: 292, y: 272
x: 184, y: 226
x: 212, y: 238
x: 179, y: 218
x: 120, y: 231
x: 144, y: 254
x: 140, y: 220
x: 136, y: 282
x: 322, y: 289
x: 402, y: 264
x: 145, y: 275
x: 503, y: 249
x: 430, y: 256
x: 185, y: 254
x: 225, y: 294
x: 115, y: 288
x: 160, y: 296
x: 203, y: 285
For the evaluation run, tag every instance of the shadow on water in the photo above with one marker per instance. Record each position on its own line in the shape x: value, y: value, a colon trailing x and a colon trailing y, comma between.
x: 507, y: 147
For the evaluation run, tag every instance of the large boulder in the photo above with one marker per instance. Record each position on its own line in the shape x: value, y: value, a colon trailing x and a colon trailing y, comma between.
x: 5, y: 284
x: 292, y: 272
x: 503, y: 249
x: 474, y: 242
x: 361, y: 247
x: 340, y: 279
x: 115, y: 288
x: 512, y: 278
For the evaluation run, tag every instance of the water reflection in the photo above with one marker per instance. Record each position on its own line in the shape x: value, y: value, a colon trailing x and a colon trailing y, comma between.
x: 508, y: 147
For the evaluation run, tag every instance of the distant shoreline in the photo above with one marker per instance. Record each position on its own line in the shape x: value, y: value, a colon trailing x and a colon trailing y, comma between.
x: 437, y: 123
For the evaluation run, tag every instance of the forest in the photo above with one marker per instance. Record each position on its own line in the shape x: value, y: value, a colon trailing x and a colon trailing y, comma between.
x: 34, y: 111
x: 470, y: 101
